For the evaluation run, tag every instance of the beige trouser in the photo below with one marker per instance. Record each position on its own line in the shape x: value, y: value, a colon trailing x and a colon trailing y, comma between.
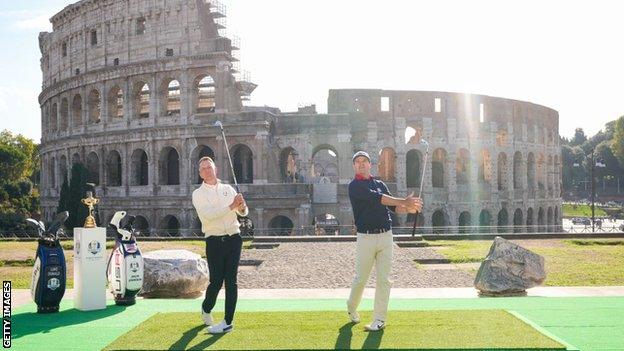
x: 372, y: 249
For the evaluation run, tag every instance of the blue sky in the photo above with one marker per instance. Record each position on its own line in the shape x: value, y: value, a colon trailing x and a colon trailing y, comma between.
x: 567, y: 55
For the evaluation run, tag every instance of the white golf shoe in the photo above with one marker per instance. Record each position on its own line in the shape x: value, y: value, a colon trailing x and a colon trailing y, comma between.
x: 221, y: 328
x: 354, y: 316
x: 376, y: 325
x: 207, y: 317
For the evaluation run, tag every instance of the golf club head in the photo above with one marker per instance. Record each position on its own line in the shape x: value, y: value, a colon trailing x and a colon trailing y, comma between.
x: 218, y: 124
x: 58, y: 223
x: 425, y: 142
x: 37, y: 224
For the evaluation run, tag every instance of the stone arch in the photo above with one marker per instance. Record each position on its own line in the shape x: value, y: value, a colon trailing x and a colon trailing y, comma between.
x: 93, y: 168
x: 557, y: 219
x: 465, y: 220
x: 171, y: 97
x: 196, y: 228
x: 77, y: 110
x: 518, y: 220
x: 386, y: 166
x: 325, y: 163
x: 550, y: 220
x: 531, y: 171
x: 517, y: 170
x: 141, y: 99
x: 413, y: 172
x: 115, y: 103
x: 170, y: 225
x: 438, y: 168
x: 280, y: 225
x: 462, y: 167
x: 288, y: 165
x: 63, y: 169
x: 169, y: 166
x: 139, y: 168
x: 76, y: 158
x: 530, y: 222
x: 485, y: 167
x: 439, y: 221
x: 113, y: 168
x: 541, y: 172
x: 503, y: 220
x: 502, y: 171
x: 95, y: 106
x: 485, y: 220
x: 54, y: 118
x: 64, y: 114
x: 141, y: 224
x: 550, y: 171
x: 206, y: 94
x: 242, y: 161
x: 196, y: 155
x: 541, y: 219
x: 52, y: 171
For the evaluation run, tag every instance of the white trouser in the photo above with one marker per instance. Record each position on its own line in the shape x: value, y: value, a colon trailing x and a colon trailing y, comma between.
x: 372, y: 249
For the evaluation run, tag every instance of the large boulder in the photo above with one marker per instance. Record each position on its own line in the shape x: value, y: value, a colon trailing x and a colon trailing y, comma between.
x: 509, y: 269
x: 174, y: 273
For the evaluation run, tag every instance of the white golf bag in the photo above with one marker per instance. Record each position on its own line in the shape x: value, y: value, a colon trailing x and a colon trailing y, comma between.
x: 125, y: 266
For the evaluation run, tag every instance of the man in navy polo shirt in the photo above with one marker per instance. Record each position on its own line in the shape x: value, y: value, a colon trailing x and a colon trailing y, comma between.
x: 372, y: 203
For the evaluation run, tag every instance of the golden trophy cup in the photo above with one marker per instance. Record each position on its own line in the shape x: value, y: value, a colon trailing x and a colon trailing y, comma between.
x: 90, y: 201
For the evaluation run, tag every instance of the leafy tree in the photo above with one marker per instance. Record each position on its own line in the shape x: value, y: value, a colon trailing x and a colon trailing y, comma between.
x: 617, y: 143
x: 579, y: 137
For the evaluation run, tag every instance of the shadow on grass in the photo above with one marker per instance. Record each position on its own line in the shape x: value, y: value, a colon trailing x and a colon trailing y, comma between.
x: 188, y: 336
x: 33, y: 323
x: 373, y: 340
x: 345, y: 333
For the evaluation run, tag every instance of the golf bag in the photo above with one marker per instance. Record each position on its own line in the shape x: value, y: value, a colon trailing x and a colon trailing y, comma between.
x: 125, y: 265
x: 47, y: 285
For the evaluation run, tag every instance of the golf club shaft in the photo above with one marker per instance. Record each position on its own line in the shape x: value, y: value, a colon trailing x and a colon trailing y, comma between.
x: 422, y: 181
x: 227, y: 150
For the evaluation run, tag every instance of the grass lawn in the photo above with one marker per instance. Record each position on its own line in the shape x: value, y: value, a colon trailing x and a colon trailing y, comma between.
x: 463, y: 329
x: 570, y: 210
x: 568, y: 262
x: 17, y: 257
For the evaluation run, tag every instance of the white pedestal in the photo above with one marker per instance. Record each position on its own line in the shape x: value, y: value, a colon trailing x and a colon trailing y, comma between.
x: 89, y: 268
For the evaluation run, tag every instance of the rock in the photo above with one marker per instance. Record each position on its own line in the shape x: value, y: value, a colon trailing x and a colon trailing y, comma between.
x: 509, y: 269
x: 174, y: 273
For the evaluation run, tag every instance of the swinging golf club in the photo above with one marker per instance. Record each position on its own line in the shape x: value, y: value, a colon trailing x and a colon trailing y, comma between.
x: 422, y: 178
x: 227, y: 150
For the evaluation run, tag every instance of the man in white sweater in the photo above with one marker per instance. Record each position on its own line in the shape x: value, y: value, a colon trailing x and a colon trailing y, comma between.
x: 217, y: 205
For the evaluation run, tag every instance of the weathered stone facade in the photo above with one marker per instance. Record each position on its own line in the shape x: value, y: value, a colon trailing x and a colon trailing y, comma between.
x: 132, y: 89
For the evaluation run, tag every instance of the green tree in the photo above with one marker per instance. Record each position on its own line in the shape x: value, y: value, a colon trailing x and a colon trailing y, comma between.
x: 19, y: 157
x: 579, y: 137
x: 77, y: 190
x: 64, y: 199
x: 617, y: 143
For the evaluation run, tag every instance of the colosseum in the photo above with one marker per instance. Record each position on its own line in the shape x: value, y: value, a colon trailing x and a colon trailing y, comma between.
x: 132, y: 90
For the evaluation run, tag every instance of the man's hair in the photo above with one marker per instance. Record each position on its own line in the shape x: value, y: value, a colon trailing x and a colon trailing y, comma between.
x: 205, y: 158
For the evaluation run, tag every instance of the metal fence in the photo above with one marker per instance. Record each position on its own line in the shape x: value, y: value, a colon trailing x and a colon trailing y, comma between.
x: 194, y: 233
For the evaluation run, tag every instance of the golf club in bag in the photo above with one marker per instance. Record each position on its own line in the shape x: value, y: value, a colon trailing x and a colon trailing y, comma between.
x: 125, y: 274
x: 422, y: 181
x: 47, y: 285
x: 245, y: 222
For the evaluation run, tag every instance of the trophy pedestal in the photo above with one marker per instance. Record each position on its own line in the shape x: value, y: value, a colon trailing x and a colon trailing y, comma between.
x: 89, y: 268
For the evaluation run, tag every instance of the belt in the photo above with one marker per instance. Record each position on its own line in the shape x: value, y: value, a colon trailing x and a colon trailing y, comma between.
x: 222, y: 237
x: 374, y: 231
